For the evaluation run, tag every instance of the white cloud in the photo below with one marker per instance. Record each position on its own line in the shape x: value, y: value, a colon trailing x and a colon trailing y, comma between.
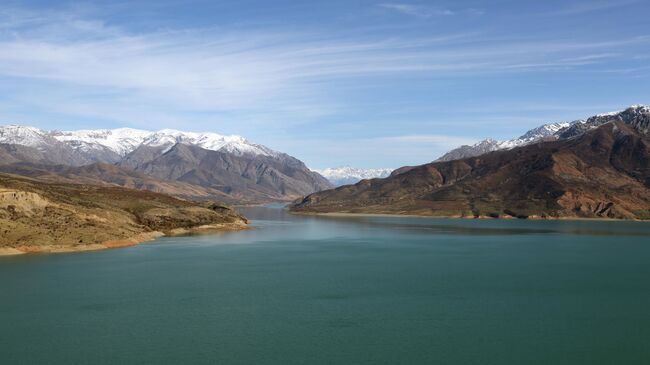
x: 417, y: 11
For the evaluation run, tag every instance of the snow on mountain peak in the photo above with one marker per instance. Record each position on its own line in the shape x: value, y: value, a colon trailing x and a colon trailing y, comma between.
x: 351, y: 175
x: 123, y: 141
x: 23, y: 135
x: 210, y: 141
x: 546, y: 131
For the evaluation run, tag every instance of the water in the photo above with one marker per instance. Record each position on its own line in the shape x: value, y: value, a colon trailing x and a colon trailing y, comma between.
x: 309, y: 290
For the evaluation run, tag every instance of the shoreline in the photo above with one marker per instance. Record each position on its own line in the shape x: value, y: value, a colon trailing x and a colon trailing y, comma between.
x: 125, y: 242
x: 459, y: 217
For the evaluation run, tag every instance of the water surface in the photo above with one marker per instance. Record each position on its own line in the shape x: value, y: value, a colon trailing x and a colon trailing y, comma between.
x: 320, y: 290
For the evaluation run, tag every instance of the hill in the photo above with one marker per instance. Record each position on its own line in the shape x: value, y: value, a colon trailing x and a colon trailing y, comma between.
x: 601, y: 173
x: 37, y: 216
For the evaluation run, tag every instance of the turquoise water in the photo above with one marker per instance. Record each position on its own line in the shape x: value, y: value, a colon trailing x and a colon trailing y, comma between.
x: 309, y: 290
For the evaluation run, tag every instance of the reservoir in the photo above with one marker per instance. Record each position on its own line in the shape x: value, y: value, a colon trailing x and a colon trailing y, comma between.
x: 340, y: 290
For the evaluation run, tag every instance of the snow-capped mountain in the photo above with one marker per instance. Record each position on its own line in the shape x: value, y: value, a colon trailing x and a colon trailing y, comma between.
x: 536, y: 134
x: 120, y: 142
x: 25, y: 136
x: 553, y: 131
x: 230, y: 167
x: 349, y: 175
x: 547, y: 131
x: 636, y: 116
x: 210, y: 141
x: 42, y: 144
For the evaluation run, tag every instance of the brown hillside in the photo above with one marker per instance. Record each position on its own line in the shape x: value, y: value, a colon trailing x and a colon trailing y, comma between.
x: 604, y: 173
x: 42, y: 216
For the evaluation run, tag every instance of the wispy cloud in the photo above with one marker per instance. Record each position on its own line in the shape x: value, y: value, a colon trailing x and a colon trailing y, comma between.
x: 70, y: 64
x: 418, y: 11
x: 592, y: 6
x: 425, y: 11
x: 443, y: 141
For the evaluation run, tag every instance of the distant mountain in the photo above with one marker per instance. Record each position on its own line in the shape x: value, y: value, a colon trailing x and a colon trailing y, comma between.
x: 123, y: 141
x: 349, y: 175
x: 106, y: 145
x: 247, y: 176
x: 226, y: 167
x: 596, y: 168
x: 111, y: 145
x: 544, y: 132
x: 40, y: 145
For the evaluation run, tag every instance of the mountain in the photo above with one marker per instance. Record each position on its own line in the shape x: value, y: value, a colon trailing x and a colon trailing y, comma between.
x: 123, y: 141
x: 477, y: 149
x: 349, y: 175
x: 37, y: 216
x: 545, y: 132
x: 111, y: 145
x: 243, y: 172
x: 104, y: 145
x: 636, y: 115
x: 235, y: 145
x: 245, y: 176
x: 40, y: 146
x: 603, y: 172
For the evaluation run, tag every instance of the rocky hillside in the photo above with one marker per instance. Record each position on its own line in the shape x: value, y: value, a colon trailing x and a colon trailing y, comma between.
x: 601, y: 173
x: 244, y: 177
x: 37, y: 216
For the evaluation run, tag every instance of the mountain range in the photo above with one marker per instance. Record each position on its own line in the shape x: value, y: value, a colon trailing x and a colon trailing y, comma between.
x: 186, y: 164
x: 596, y: 168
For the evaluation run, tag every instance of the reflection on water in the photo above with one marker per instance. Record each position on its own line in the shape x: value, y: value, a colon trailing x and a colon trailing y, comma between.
x: 276, y: 214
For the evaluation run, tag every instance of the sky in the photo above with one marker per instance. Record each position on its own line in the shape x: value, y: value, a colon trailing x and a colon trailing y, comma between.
x: 339, y: 82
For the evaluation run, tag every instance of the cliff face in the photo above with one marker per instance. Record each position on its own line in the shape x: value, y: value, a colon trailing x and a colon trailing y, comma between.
x: 36, y: 216
x: 603, y: 173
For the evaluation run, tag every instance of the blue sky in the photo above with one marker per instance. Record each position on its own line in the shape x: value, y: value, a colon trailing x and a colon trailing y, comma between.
x: 360, y: 83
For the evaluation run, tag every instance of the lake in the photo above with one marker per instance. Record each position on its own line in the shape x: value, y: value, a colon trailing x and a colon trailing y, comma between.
x: 354, y: 290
